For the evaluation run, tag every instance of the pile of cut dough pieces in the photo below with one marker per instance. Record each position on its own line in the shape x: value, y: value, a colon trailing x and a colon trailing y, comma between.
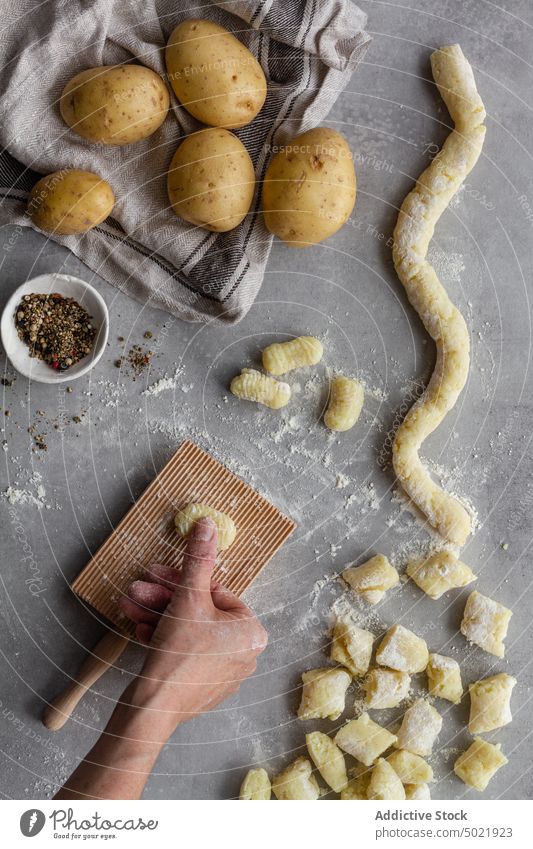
x: 403, y: 774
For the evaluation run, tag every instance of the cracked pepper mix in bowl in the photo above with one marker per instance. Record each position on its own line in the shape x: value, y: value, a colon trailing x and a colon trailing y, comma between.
x: 55, y: 328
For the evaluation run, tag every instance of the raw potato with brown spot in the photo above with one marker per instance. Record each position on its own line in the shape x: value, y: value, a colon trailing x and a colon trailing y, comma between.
x: 115, y: 104
x: 69, y: 202
x: 213, y: 75
x: 211, y: 180
x: 309, y: 189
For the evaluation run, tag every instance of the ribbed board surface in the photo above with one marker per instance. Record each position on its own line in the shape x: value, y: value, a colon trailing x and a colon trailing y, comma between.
x: 147, y: 535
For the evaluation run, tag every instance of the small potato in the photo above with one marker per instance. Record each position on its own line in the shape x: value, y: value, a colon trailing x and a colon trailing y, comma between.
x: 69, y: 202
x: 213, y: 75
x: 309, y: 188
x: 211, y: 180
x: 115, y: 104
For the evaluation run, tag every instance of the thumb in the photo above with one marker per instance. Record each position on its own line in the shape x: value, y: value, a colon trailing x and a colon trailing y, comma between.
x: 200, y: 556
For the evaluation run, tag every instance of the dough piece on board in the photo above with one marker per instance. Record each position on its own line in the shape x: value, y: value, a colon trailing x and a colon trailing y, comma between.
x: 188, y: 515
x: 411, y: 769
x: 296, y: 782
x: 417, y: 791
x: 384, y: 783
x: 418, y: 216
x: 328, y: 759
x: 490, y: 703
x: 485, y: 623
x: 256, y: 786
x: 444, y: 678
x: 364, y: 739
x: 324, y: 693
x: 401, y: 649
x: 420, y: 728
x: 351, y: 646
x: 386, y: 688
x: 372, y: 579
x: 479, y: 763
x: 439, y: 573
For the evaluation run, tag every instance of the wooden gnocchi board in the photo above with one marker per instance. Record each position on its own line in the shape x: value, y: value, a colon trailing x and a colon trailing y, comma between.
x: 147, y: 534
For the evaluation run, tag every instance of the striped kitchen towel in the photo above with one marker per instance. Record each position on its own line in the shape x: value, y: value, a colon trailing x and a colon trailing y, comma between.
x: 307, y: 48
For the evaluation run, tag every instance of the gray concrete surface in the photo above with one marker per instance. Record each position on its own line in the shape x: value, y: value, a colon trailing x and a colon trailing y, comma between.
x: 345, y: 291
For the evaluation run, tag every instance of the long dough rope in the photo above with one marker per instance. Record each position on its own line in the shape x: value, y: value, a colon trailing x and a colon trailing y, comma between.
x: 418, y: 216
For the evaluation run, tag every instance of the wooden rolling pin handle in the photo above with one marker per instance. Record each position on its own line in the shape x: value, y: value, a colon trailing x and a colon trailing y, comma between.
x: 104, y: 655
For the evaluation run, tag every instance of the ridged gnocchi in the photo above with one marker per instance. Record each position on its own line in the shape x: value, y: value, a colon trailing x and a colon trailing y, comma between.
x: 281, y: 357
x: 364, y: 739
x: 490, y: 703
x: 251, y: 385
x: 372, y: 579
x: 420, y: 728
x: 439, y: 573
x: 401, y: 649
x: 296, y: 782
x: 256, y: 786
x: 323, y: 693
x: 444, y: 678
x: 346, y: 398
x: 328, y: 759
x: 187, y: 516
x: 485, y: 623
x: 479, y: 763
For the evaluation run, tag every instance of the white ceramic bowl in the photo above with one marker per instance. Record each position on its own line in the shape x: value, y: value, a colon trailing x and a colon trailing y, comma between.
x: 70, y: 287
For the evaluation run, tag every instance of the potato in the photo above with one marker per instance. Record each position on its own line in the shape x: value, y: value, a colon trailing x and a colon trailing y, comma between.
x: 69, y: 202
x: 213, y: 75
x: 309, y: 188
x: 115, y: 104
x: 211, y: 180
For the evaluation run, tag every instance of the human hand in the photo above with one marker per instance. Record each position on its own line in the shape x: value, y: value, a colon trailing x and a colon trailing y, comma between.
x: 203, y: 641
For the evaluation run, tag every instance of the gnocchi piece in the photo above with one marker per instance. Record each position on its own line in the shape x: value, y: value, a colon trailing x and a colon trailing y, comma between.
x: 296, y: 782
x: 485, y: 623
x: 282, y: 357
x: 346, y: 398
x: 410, y: 768
x: 490, y: 703
x: 351, y: 646
x: 402, y: 650
x: 357, y: 786
x: 372, y: 579
x: 328, y: 759
x: 386, y: 688
x: 324, y: 693
x: 439, y: 573
x: 417, y: 791
x: 185, y: 519
x: 384, y: 783
x: 364, y: 739
x: 420, y: 728
x: 251, y: 385
x: 444, y: 678
x: 256, y: 785
x: 479, y: 763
